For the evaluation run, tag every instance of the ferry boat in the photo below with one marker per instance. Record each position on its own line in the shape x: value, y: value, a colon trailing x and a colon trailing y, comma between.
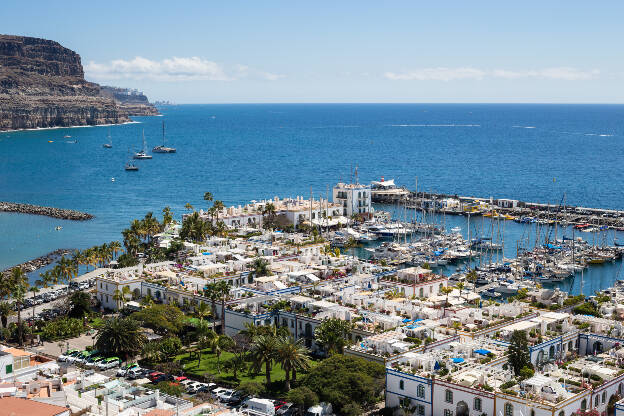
x: 162, y: 148
x: 143, y: 153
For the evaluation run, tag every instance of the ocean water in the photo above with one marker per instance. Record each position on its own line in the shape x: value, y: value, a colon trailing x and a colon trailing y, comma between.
x: 244, y: 152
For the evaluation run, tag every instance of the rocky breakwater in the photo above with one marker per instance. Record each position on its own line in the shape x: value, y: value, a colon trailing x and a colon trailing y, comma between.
x: 39, y: 262
x: 42, y: 85
x: 63, y: 214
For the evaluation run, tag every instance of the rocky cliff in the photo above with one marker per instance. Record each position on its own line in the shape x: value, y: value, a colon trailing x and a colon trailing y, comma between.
x: 42, y: 85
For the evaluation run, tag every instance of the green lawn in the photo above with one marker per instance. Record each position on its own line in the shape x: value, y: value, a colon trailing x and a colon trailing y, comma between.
x: 209, y: 365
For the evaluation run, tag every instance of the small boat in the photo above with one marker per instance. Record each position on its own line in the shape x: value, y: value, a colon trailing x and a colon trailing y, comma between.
x: 50, y: 141
x: 456, y: 230
x: 162, y: 148
x: 67, y: 136
x: 58, y: 228
x: 143, y: 153
x: 108, y: 145
x: 131, y: 166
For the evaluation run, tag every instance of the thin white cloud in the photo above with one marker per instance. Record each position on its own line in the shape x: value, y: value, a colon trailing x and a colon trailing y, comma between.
x: 172, y: 69
x: 468, y: 73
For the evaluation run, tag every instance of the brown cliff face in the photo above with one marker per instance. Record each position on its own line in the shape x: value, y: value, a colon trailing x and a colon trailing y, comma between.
x: 42, y: 85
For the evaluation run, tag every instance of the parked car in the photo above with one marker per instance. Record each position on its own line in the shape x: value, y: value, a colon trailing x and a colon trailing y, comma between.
x: 123, y: 370
x: 108, y: 363
x: 237, y: 398
x: 135, y: 373
x: 79, y: 358
x: 206, y: 388
x: 278, y: 404
x: 195, y: 387
x: 215, y: 392
x: 67, y: 354
x: 225, y: 395
x: 287, y: 408
x: 94, y: 361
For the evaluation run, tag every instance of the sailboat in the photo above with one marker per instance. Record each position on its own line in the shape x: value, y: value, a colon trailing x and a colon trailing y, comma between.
x: 163, y: 148
x: 108, y: 145
x: 129, y: 165
x: 143, y: 153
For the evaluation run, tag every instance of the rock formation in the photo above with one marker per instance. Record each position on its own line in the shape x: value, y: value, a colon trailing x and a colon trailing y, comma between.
x: 42, y: 85
x: 134, y: 102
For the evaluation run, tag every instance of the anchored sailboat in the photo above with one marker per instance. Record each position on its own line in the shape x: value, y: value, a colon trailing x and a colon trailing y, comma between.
x: 110, y: 141
x: 143, y: 153
x: 129, y: 165
x: 163, y: 148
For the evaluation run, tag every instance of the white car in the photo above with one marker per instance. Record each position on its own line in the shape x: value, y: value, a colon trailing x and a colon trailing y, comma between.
x: 192, y: 389
x: 64, y: 356
x: 225, y: 395
x: 108, y: 363
x: 215, y: 393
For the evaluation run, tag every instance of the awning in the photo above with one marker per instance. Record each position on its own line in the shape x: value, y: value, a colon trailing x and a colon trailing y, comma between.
x: 280, y: 285
x: 482, y: 351
x: 458, y: 360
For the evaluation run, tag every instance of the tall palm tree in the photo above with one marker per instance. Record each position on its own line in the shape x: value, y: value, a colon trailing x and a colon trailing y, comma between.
x: 263, y: 353
x: 122, y: 337
x: 446, y: 290
x: 211, y: 292
x: 203, y: 311
x: 188, y: 206
x: 19, y: 287
x: 115, y: 247
x: 68, y: 271
x: 6, y: 310
x: 218, y: 343
x: 204, y: 337
x: 223, y: 289
x: 268, y: 215
x: 293, y: 356
x: 167, y: 216
x: 207, y: 196
x: 36, y: 288
x: 219, y: 206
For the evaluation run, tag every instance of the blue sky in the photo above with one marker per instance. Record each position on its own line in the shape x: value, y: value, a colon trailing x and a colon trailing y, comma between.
x: 341, y: 51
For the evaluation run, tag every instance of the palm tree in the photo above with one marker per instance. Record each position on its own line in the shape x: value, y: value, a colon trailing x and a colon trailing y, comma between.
x: 121, y: 337
x: 263, y: 353
x: 293, y: 356
x: 19, y: 287
x: 268, y: 215
x: 203, y: 311
x: 461, y: 287
x: 188, y: 206
x: 115, y: 247
x: 446, y: 290
x: 217, y: 344
x: 261, y: 267
x: 167, y: 216
x: 236, y: 364
x: 219, y: 206
x: 223, y: 290
x: 36, y: 289
x: 68, y: 271
x: 212, y: 293
x: 207, y: 196
x: 204, y: 336
x: 6, y: 310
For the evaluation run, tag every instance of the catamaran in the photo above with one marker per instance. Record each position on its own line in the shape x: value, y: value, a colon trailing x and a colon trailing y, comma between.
x: 143, y: 153
x: 162, y: 148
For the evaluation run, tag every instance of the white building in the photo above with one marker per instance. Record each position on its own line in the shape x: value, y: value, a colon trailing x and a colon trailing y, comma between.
x: 354, y: 198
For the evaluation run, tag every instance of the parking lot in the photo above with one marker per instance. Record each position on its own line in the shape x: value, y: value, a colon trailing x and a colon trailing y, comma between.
x: 78, y: 356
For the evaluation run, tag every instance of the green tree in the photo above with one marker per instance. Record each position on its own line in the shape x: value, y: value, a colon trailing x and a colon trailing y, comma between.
x: 162, y: 319
x: 167, y: 216
x: 263, y: 353
x: 6, y: 310
x: 208, y: 196
x: 342, y: 379
x: 303, y: 397
x: 332, y: 335
x: 261, y: 267
x: 236, y: 364
x: 212, y: 292
x: 218, y: 343
x: 121, y: 337
x: 293, y: 356
x: 252, y: 388
x: 169, y: 347
x: 19, y: 288
x: 518, y: 355
x: 79, y: 304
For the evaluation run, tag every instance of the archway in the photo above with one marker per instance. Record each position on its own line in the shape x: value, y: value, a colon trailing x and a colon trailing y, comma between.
x: 597, y: 347
x: 462, y: 409
x: 611, y: 405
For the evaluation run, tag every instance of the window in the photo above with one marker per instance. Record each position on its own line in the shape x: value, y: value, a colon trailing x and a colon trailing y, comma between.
x: 508, y: 409
x: 401, y: 385
x: 604, y: 397
x: 477, y: 403
x: 421, y: 410
x: 532, y: 412
x: 449, y: 396
x: 448, y: 412
x: 422, y: 292
x: 9, y: 368
x: 562, y: 413
x: 570, y: 346
x: 584, y: 404
x: 596, y: 401
x: 420, y: 391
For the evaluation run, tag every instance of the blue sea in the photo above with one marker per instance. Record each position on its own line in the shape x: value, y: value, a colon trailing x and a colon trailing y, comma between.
x: 243, y: 152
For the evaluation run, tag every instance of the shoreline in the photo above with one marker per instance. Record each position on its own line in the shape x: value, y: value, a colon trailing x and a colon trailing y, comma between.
x: 73, y: 127
x: 39, y: 262
x: 59, y: 213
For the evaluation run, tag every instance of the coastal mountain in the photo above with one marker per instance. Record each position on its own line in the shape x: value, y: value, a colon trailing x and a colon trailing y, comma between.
x: 42, y: 85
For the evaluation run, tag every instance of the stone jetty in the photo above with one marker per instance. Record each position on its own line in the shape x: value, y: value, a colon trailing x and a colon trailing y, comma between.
x: 39, y: 262
x: 63, y: 214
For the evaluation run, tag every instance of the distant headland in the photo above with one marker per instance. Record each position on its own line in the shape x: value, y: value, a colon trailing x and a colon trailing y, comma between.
x: 42, y: 85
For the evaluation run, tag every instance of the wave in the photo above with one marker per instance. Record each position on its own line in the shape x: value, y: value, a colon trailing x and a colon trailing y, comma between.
x: 336, y: 127
x: 433, y: 125
x: 523, y: 127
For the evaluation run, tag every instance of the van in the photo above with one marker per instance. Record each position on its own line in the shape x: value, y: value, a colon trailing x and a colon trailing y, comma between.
x: 263, y: 406
x: 321, y: 409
